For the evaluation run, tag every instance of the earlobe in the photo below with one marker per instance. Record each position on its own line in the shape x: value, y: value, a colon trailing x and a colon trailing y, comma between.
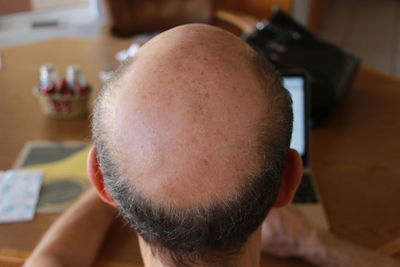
x: 291, y: 179
x: 96, y: 177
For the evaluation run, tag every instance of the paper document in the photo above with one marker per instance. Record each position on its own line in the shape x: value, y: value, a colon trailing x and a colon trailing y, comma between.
x: 19, y: 193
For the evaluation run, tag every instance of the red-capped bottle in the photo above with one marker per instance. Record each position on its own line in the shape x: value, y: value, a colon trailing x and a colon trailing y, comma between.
x: 76, y: 80
x: 48, y: 79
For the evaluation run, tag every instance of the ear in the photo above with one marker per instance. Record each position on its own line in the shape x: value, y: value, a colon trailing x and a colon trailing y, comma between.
x: 96, y: 177
x: 291, y: 179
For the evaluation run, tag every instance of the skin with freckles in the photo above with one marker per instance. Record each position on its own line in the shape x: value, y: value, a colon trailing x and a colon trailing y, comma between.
x: 184, y: 115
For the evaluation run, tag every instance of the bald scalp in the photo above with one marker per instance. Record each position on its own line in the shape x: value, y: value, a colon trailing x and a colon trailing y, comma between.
x: 184, y: 116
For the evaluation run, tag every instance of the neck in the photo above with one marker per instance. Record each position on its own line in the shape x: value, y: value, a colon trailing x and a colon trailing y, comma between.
x: 249, y: 256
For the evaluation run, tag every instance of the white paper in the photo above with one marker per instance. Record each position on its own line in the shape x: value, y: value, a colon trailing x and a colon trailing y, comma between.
x: 19, y: 193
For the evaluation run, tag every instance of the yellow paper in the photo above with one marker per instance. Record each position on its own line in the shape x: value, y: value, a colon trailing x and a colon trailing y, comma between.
x: 64, y: 181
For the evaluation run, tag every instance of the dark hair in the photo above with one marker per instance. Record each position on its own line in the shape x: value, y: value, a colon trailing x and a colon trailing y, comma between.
x: 215, y: 233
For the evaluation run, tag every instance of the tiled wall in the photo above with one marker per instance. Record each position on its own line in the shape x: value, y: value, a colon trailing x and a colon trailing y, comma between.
x: 369, y: 28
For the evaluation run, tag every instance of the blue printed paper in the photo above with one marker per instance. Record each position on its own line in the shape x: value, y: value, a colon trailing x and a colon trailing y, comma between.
x: 19, y: 193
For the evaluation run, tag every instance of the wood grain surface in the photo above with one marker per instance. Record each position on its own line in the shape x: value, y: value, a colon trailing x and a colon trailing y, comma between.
x: 355, y: 155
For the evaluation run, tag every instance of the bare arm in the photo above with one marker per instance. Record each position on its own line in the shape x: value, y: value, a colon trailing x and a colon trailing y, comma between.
x: 286, y: 233
x: 332, y: 251
x: 75, y: 238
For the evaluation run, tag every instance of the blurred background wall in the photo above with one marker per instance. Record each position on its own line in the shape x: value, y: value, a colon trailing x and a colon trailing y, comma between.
x: 369, y: 28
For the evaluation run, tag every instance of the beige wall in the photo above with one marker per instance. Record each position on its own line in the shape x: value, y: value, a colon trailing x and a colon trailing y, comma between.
x: 43, y: 4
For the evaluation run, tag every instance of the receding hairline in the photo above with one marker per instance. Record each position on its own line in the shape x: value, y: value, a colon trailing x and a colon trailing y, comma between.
x: 271, y: 84
x: 264, y: 73
x: 267, y: 78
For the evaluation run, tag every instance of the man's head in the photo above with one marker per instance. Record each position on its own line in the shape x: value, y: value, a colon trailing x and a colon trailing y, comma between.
x: 192, y: 140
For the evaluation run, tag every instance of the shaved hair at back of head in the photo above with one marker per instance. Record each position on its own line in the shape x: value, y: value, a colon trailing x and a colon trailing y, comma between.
x: 192, y: 138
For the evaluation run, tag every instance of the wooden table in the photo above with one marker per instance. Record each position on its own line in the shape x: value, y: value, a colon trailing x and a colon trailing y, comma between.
x: 356, y: 158
x: 354, y: 155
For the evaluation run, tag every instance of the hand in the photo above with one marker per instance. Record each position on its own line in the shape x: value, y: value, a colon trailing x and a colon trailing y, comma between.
x: 286, y: 233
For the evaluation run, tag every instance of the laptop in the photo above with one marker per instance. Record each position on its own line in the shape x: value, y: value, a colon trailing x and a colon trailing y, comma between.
x: 306, y: 197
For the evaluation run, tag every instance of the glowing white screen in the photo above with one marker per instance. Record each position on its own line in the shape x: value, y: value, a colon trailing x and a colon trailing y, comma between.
x: 295, y: 86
